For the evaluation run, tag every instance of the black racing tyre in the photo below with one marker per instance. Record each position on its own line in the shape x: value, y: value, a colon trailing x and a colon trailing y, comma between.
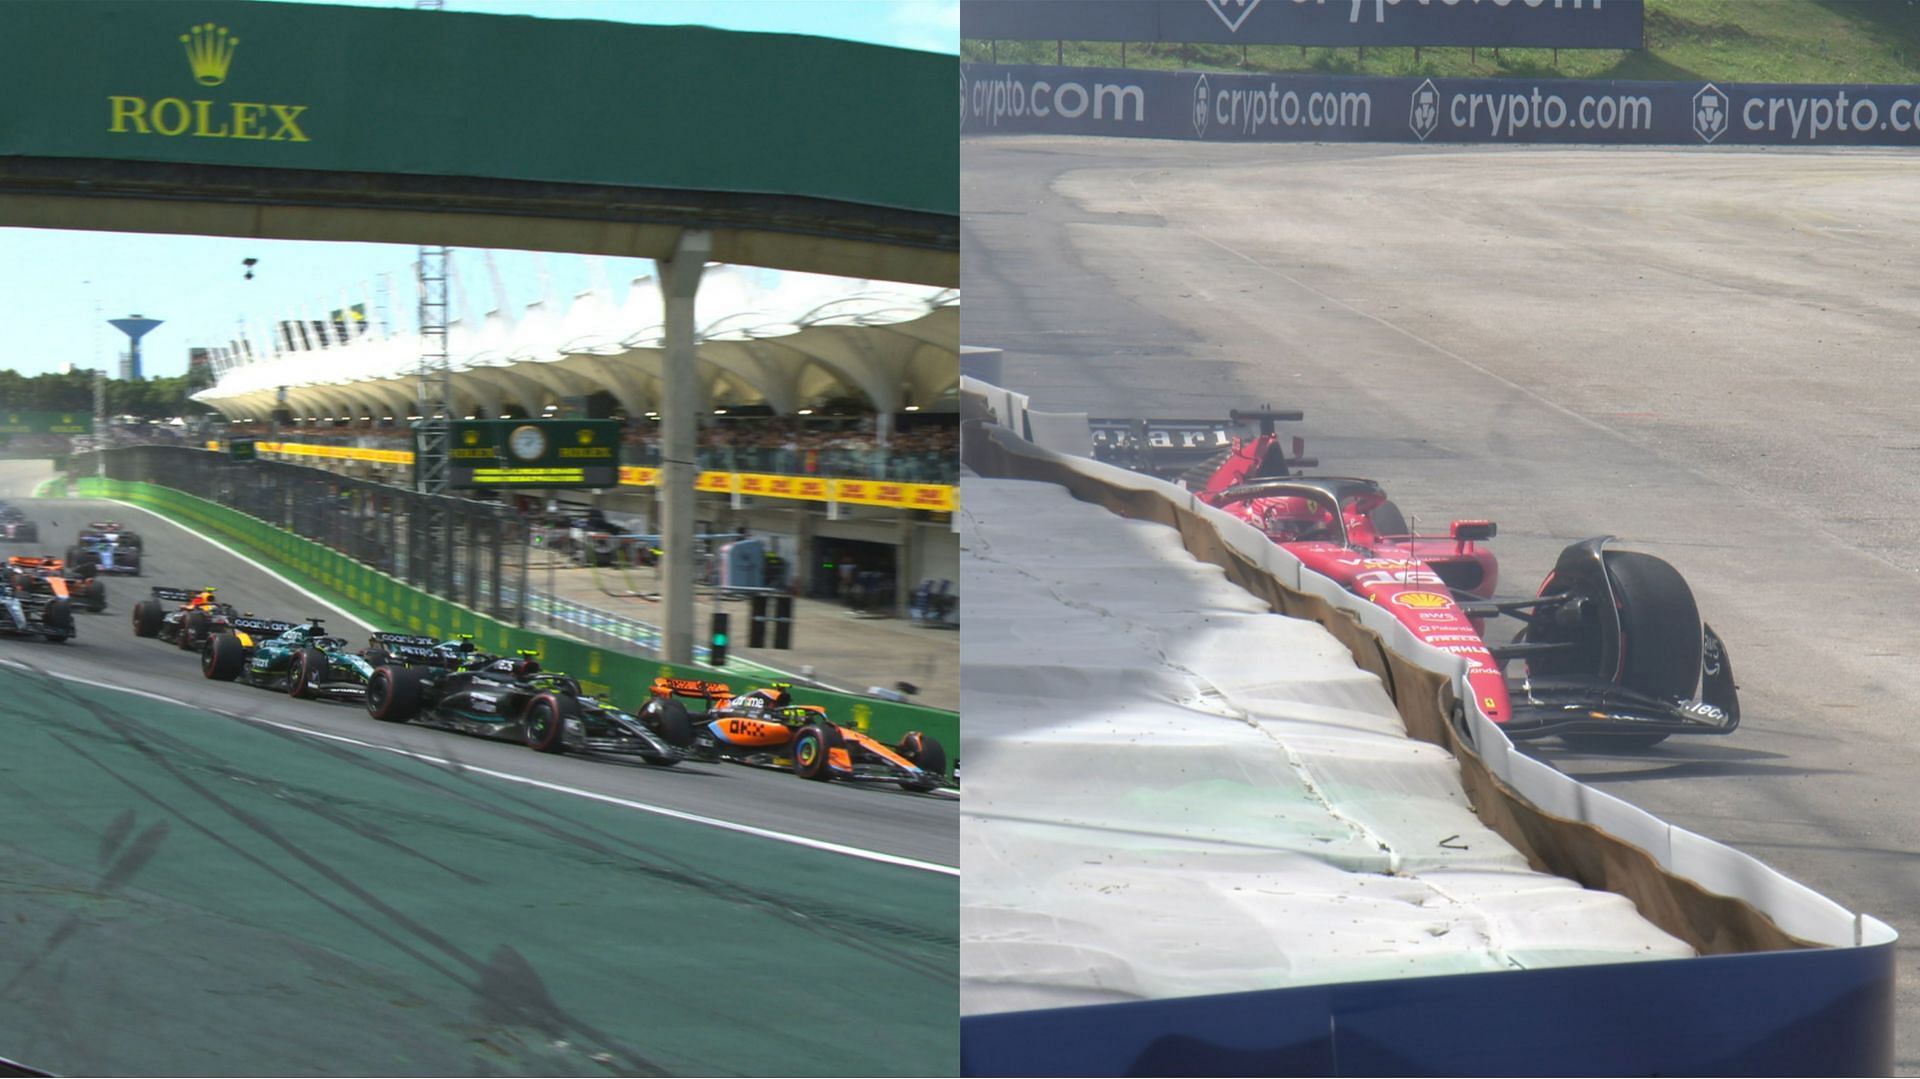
x: 547, y: 716
x: 669, y: 720
x: 1659, y: 640
x: 94, y: 592
x: 393, y: 694
x: 29, y: 533
x: 195, y: 628
x: 812, y: 749
x: 58, y: 620
x: 223, y: 658
x: 308, y: 667
x: 148, y: 618
x: 928, y: 755
x: 1387, y: 519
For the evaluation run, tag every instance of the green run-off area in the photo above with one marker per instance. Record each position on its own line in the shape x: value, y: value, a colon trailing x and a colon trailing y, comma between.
x: 189, y: 893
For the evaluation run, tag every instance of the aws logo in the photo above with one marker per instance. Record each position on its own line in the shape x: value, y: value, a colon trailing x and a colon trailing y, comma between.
x: 210, y: 52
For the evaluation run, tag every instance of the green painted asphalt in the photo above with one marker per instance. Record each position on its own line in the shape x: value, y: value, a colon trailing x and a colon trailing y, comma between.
x: 185, y: 893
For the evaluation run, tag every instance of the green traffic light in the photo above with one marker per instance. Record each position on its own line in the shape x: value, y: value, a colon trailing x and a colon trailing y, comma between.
x: 720, y: 640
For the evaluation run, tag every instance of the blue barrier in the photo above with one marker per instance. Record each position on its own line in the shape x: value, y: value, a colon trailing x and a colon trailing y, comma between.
x: 1826, y: 1011
x: 1223, y: 107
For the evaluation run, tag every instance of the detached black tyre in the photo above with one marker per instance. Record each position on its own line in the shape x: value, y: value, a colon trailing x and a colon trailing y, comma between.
x: 1659, y: 640
x: 147, y: 618
x: 393, y: 694
x: 223, y: 658
x: 94, y: 593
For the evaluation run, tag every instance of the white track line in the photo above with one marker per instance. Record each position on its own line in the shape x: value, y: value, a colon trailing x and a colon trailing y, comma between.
x: 268, y: 570
x: 510, y: 777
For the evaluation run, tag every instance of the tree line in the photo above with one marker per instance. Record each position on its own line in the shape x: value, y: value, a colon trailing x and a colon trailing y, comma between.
x: 149, y: 399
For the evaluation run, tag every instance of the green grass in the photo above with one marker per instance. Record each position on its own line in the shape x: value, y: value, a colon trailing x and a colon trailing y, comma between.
x: 1844, y: 41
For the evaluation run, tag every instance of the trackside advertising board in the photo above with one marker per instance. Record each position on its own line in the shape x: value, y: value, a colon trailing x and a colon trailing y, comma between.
x: 534, y: 453
x: 1566, y: 24
x: 1221, y: 107
x: 46, y: 423
x: 446, y: 93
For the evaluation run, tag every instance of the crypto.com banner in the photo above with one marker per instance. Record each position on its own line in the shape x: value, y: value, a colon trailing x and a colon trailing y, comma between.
x: 1566, y: 24
x: 1220, y: 107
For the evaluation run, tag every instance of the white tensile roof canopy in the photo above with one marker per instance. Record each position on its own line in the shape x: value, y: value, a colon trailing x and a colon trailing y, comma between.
x: 810, y: 338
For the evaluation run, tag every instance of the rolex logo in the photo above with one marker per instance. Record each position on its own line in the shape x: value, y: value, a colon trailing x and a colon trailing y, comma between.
x: 210, y: 51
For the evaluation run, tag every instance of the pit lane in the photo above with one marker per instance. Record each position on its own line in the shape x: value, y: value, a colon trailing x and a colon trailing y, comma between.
x: 881, y: 819
x: 1703, y: 352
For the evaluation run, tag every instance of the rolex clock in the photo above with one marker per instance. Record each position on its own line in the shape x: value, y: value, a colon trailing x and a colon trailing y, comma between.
x: 527, y: 442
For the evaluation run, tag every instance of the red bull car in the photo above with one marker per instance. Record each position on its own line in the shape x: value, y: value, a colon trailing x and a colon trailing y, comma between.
x: 764, y: 727
x: 1611, y: 653
x: 196, y: 619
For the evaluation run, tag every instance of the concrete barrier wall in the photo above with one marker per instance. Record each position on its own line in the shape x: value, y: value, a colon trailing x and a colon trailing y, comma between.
x: 1790, y: 982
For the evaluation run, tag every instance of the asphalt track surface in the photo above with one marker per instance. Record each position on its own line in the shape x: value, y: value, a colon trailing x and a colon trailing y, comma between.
x: 796, y: 920
x: 1707, y: 353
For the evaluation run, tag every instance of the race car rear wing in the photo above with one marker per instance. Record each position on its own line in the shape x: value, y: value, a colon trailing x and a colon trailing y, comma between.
x: 261, y: 625
x: 175, y: 595
x: 717, y: 693
x: 1168, y: 448
x: 1158, y: 447
x: 413, y: 649
x: 408, y: 640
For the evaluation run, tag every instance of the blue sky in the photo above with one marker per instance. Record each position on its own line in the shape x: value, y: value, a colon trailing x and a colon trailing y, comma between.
x: 59, y: 287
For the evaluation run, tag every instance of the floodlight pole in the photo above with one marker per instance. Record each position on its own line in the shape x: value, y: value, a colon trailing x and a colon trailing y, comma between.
x: 435, y: 381
x: 679, y: 424
x: 99, y: 420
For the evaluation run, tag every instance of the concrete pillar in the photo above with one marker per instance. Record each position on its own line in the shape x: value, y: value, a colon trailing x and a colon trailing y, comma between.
x: 679, y: 419
x: 905, y: 557
x: 803, y: 543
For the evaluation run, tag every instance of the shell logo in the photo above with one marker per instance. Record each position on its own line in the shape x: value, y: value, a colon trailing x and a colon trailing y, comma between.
x: 1422, y: 600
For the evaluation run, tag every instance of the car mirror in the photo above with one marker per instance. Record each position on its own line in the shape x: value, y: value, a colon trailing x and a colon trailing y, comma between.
x: 1470, y: 531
